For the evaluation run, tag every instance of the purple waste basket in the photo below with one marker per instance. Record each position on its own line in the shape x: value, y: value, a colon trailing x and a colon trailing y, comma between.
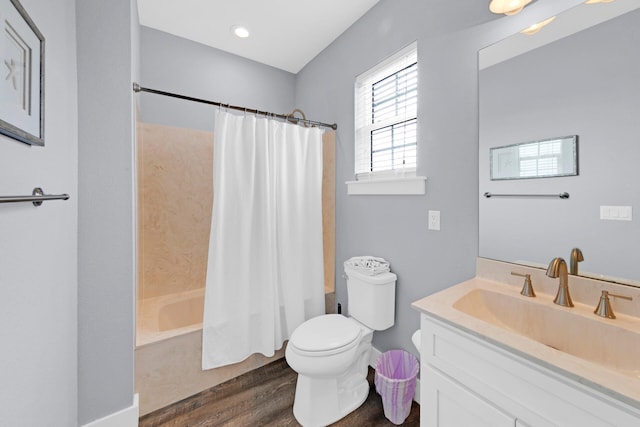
x: 395, y: 380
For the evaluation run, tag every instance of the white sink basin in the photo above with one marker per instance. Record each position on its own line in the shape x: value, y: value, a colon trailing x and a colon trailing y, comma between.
x: 604, y: 353
x: 607, y: 342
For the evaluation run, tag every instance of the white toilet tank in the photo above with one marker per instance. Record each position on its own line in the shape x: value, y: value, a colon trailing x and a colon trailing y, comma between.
x: 372, y: 299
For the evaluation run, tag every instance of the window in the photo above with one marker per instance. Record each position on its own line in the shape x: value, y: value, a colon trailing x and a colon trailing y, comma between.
x: 386, y: 115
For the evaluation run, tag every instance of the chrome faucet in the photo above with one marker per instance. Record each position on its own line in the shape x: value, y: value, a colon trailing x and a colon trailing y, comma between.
x: 576, y: 257
x: 558, y: 268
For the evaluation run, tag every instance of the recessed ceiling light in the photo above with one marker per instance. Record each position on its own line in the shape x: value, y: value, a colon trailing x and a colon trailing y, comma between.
x: 508, y: 7
x: 240, y: 31
x: 537, y: 27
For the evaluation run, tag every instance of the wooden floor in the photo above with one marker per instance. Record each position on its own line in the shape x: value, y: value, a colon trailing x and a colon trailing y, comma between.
x: 263, y: 397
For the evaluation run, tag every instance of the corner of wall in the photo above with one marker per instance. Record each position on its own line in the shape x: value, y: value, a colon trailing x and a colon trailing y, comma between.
x: 127, y: 417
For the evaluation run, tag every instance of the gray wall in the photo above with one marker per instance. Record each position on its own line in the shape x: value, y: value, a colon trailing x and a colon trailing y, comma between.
x: 106, y: 279
x: 38, y: 246
x: 38, y: 250
x: 449, y: 34
x: 585, y: 84
x: 177, y: 65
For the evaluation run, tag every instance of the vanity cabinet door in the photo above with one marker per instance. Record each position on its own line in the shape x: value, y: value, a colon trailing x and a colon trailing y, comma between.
x: 450, y: 404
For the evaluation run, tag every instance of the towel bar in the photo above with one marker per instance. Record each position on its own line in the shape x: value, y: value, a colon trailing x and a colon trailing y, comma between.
x: 564, y: 195
x: 37, y: 197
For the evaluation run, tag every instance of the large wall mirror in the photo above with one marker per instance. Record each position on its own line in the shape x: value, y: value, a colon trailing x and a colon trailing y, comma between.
x: 584, y: 81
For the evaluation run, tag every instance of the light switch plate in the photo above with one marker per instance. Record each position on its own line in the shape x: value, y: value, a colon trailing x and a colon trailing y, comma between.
x: 616, y: 213
x: 434, y: 220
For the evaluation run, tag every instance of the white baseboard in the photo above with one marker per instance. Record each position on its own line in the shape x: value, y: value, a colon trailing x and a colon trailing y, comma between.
x: 127, y: 417
x: 375, y: 353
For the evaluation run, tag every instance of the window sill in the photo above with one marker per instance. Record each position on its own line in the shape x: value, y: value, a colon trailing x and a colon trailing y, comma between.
x: 415, y: 185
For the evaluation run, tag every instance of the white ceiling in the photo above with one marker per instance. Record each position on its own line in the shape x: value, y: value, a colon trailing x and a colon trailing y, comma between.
x: 285, y: 34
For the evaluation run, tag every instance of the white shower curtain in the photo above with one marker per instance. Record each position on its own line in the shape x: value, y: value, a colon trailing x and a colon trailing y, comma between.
x: 265, y: 272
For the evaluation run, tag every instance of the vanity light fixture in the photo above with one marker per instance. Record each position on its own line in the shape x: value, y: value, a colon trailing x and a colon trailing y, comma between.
x: 597, y: 1
x: 508, y: 7
x: 537, y: 27
x: 240, y: 31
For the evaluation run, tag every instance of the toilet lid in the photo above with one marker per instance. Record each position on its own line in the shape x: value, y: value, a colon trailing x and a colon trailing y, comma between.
x: 323, y: 333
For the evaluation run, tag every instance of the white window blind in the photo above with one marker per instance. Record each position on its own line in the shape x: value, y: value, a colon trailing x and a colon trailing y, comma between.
x: 386, y: 100
x: 540, y: 158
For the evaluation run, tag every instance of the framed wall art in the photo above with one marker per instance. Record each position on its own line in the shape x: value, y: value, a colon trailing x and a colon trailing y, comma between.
x: 21, y: 75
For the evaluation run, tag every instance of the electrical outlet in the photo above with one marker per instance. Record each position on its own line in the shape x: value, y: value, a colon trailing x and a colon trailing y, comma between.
x: 434, y: 220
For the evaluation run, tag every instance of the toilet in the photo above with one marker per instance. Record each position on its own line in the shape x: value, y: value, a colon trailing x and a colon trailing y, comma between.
x: 331, y: 353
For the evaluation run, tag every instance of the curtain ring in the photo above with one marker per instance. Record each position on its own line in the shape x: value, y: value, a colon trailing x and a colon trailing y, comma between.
x: 293, y: 119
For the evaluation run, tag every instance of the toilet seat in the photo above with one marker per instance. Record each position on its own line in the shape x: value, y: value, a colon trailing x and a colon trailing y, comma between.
x: 325, y: 335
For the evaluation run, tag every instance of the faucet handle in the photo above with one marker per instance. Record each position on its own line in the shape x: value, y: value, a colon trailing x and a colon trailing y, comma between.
x: 527, y: 288
x: 619, y: 296
x: 604, y: 305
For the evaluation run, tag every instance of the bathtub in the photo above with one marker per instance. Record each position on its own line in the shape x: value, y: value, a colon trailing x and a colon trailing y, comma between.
x: 166, y: 316
x: 168, y: 354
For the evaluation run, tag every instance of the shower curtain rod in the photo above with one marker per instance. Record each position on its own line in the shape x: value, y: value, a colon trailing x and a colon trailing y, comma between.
x: 290, y: 117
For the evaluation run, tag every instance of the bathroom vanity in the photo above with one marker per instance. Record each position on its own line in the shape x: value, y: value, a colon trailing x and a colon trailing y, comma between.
x: 489, y: 355
x: 493, y: 357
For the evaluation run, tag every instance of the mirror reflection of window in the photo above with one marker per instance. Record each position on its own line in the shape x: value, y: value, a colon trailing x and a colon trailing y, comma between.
x: 535, y: 159
x: 540, y: 158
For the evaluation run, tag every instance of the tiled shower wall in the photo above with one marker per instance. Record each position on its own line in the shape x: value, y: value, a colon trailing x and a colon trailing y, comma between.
x: 175, y: 193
